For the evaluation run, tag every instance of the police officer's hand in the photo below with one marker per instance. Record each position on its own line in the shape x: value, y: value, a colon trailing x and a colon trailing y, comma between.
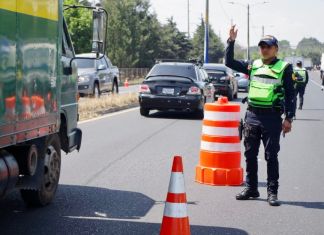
x: 233, y: 33
x: 286, y: 126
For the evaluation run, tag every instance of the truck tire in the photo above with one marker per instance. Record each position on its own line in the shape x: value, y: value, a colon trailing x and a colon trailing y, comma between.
x: 51, y: 176
x: 115, y: 88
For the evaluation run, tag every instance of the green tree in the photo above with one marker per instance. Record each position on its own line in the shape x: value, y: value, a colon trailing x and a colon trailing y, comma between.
x: 79, y: 22
x: 216, y: 47
x: 284, y: 49
x: 173, y: 43
x: 133, y: 33
x: 310, y: 47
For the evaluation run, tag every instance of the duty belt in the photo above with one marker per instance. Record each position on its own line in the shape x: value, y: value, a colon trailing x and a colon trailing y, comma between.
x: 264, y: 110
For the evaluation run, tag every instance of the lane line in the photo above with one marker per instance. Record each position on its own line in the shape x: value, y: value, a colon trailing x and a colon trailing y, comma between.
x: 315, y: 83
x: 108, y: 115
x: 102, y: 218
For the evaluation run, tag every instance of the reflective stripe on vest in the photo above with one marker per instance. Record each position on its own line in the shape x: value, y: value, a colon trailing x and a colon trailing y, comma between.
x: 266, y: 80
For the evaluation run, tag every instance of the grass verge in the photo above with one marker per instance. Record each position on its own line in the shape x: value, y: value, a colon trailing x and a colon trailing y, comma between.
x: 91, y: 107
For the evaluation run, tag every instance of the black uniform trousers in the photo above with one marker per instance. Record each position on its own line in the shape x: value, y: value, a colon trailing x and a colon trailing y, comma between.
x: 300, y: 90
x: 265, y: 127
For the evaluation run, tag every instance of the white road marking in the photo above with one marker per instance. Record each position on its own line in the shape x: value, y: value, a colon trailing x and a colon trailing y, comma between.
x: 317, y: 84
x: 109, y: 115
x: 100, y: 218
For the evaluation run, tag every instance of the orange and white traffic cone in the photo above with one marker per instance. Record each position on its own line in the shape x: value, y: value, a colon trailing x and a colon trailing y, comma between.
x: 126, y: 84
x: 10, y: 108
x: 175, y: 218
x: 26, y: 109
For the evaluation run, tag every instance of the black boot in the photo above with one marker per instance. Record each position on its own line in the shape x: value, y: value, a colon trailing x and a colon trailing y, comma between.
x: 248, y: 193
x: 273, y: 199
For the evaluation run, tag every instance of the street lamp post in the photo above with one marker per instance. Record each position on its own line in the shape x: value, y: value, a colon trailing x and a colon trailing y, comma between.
x: 248, y: 23
x: 188, y: 18
x: 248, y: 32
x: 206, y: 47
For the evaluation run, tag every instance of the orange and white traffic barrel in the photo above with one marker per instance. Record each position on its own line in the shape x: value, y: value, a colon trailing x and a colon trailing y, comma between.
x: 220, y: 151
x: 175, y: 217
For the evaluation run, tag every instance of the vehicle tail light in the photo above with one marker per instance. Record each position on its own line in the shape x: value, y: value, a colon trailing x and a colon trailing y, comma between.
x: 246, y: 76
x: 144, y: 89
x: 194, y: 91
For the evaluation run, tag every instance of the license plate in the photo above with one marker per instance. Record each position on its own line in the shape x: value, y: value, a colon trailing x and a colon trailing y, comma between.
x: 168, y: 91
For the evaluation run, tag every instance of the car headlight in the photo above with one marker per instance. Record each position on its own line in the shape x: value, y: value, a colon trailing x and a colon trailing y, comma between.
x: 83, y: 79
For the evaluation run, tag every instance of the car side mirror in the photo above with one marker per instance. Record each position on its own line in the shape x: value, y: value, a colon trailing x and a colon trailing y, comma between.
x: 67, y: 70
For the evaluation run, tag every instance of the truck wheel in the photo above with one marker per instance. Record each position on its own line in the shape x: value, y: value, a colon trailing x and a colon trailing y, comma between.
x: 144, y: 112
x: 115, y: 88
x: 96, y: 91
x: 51, y: 176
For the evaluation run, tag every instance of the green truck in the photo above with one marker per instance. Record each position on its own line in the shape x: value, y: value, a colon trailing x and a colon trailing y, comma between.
x: 38, y: 97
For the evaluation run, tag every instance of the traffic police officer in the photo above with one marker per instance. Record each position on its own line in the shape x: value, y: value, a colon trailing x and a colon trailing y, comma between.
x: 271, y: 94
x: 301, y: 80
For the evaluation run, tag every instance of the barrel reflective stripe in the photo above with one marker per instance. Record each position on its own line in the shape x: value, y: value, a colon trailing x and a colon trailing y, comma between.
x: 175, y: 210
x: 222, y: 116
x: 220, y: 131
x: 220, y: 147
x: 176, y: 184
x: 266, y: 80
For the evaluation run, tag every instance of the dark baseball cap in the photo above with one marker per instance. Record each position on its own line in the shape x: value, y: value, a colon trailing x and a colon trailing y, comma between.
x: 299, y: 62
x: 269, y: 40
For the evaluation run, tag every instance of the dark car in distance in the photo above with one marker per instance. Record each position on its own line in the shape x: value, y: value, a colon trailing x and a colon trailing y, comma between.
x: 223, y: 80
x: 179, y: 86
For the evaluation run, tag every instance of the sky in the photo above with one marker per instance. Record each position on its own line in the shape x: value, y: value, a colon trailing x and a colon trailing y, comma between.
x: 291, y: 20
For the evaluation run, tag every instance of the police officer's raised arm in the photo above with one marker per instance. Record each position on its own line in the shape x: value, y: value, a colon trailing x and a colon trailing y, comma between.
x: 230, y: 62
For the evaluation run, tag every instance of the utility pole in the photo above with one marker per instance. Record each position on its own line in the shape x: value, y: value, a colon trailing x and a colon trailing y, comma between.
x: 262, y: 30
x: 206, y: 59
x: 188, y: 19
x: 248, y: 32
x: 248, y: 23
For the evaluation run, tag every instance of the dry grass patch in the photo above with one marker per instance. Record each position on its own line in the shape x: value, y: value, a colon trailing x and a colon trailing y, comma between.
x: 91, y: 107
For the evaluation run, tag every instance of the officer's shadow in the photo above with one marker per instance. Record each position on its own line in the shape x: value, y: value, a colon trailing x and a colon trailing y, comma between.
x: 309, y: 205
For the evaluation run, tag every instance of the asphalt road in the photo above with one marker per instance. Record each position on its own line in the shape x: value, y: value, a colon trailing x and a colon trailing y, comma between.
x: 118, y: 182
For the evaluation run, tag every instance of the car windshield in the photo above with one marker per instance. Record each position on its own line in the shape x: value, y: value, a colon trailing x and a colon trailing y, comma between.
x: 85, y: 63
x: 174, y: 70
x: 215, y: 75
